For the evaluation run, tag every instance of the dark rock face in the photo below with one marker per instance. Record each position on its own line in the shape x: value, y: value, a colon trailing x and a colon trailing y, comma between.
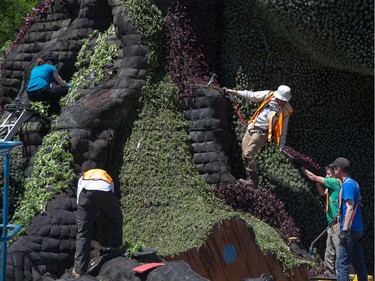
x: 90, y: 148
x: 206, y: 114
x: 59, y: 33
x: 106, y: 106
x: 46, y: 252
x: 94, y: 118
x: 48, y: 245
x: 46, y: 249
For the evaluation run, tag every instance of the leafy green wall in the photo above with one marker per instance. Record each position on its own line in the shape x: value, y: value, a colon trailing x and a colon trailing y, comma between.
x: 312, y: 47
x: 308, y: 47
x: 166, y: 203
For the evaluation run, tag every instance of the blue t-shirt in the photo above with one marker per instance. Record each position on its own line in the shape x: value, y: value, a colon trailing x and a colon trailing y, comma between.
x: 41, y: 77
x: 350, y: 191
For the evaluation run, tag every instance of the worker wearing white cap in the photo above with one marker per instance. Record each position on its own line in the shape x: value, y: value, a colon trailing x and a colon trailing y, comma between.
x: 270, y: 121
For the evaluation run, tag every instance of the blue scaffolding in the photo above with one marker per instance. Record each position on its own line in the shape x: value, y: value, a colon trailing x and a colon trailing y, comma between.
x: 5, y: 148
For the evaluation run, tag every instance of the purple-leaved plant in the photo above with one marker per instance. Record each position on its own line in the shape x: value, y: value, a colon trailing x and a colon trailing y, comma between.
x: 185, y: 60
x: 262, y: 204
x: 302, y: 159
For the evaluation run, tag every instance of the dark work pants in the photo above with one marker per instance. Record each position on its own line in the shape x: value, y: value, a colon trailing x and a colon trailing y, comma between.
x: 52, y: 95
x: 90, y: 201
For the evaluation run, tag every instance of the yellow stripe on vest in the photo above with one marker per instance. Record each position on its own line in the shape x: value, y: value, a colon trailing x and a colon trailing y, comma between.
x: 270, y: 124
x: 97, y: 174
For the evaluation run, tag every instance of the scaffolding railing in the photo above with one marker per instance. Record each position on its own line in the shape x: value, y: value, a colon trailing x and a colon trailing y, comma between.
x: 5, y: 148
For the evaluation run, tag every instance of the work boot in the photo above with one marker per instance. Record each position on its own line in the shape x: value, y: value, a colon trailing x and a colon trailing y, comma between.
x: 246, y: 181
x: 75, y: 274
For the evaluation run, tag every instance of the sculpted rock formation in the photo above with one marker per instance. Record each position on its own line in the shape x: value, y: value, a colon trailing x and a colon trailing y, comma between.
x: 265, y: 57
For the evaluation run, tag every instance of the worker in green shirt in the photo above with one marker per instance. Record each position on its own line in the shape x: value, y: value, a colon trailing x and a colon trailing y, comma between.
x: 329, y: 187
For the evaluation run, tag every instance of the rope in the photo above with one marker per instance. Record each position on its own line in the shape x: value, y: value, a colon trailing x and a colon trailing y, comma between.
x: 235, y: 106
x: 237, y: 110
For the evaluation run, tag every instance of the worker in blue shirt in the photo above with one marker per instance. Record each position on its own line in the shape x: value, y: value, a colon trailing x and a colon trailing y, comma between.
x: 40, y: 87
x: 351, y: 224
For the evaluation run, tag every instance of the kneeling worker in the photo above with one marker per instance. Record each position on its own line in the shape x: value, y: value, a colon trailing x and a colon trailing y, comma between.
x: 95, y: 191
x: 40, y: 87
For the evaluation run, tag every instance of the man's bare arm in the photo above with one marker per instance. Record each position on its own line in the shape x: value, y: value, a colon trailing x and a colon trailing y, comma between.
x: 349, y: 214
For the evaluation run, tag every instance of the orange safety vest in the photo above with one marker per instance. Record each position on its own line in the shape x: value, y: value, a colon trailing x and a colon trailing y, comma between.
x: 278, y: 128
x: 97, y: 174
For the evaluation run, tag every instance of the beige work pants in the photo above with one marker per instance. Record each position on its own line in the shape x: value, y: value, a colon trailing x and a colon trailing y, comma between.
x: 251, y: 143
x: 332, y: 247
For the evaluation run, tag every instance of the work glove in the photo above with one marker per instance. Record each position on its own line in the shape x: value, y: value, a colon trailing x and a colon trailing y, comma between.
x: 69, y: 85
x: 228, y: 94
x: 343, y: 237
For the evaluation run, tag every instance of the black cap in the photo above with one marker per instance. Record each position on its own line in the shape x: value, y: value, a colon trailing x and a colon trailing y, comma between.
x: 340, y: 162
x: 48, y: 57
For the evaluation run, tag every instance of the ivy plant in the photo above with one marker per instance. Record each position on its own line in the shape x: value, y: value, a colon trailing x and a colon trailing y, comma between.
x: 94, y: 64
x: 41, y: 108
x: 51, y: 174
x: 149, y: 21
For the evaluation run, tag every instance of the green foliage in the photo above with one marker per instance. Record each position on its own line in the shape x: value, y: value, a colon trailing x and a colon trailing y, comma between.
x: 52, y: 173
x: 333, y: 109
x: 157, y: 157
x: 270, y: 242
x: 338, y: 35
x: 149, y: 21
x: 94, y: 64
x: 4, y: 49
x: 41, y: 107
x: 166, y: 203
x: 131, y: 249
x: 12, y: 14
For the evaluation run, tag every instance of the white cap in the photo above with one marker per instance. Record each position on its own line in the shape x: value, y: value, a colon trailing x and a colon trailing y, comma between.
x: 283, y: 93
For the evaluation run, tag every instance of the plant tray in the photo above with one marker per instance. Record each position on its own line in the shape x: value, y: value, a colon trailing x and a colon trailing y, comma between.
x: 300, y: 162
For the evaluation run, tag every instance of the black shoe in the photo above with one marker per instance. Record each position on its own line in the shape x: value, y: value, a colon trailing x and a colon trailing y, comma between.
x: 246, y: 181
x: 75, y: 274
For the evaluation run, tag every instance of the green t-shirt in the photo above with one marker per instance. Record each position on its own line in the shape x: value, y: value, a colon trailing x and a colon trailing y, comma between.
x: 333, y: 186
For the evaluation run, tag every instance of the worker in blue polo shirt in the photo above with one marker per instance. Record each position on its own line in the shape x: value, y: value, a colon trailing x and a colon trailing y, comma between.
x: 351, y: 225
x: 40, y: 87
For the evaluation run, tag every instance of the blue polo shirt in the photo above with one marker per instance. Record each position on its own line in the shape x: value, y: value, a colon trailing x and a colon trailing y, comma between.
x: 350, y: 191
x: 41, y: 77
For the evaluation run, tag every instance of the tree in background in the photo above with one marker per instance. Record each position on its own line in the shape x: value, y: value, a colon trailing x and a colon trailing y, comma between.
x: 12, y: 13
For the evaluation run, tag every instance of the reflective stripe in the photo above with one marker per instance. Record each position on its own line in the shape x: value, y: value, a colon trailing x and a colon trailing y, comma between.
x: 278, y: 130
x: 97, y: 174
x: 270, y: 123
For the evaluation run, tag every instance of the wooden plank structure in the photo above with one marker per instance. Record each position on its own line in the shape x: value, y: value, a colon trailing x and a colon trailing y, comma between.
x: 230, y: 254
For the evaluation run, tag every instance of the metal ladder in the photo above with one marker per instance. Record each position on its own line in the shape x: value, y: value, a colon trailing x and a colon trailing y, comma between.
x: 18, y: 114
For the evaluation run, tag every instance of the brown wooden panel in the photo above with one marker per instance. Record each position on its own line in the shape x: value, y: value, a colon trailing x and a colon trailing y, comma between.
x: 230, y: 254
